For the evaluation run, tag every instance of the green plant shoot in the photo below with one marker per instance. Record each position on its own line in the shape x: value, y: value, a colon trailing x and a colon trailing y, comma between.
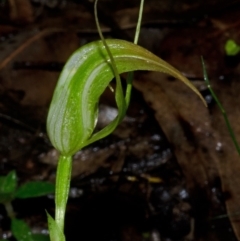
x: 73, y: 111
x: 230, y: 130
x: 9, y: 190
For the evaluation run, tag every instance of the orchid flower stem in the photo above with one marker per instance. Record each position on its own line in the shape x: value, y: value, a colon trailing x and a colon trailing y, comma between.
x: 136, y: 37
x: 138, y: 28
x: 62, y: 188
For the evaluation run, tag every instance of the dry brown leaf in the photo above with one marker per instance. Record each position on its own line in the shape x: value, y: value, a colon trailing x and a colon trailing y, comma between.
x: 203, y: 152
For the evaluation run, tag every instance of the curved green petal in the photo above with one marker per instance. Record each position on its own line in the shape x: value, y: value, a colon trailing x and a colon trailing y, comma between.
x: 73, y: 111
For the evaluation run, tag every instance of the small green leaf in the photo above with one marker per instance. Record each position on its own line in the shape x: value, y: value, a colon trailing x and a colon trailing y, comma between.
x: 232, y: 48
x: 8, y: 183
x: 55, y: 233
x: 21, y: 230
x: 73, y: 111
x: 7, y: 187
x: 34, y: 189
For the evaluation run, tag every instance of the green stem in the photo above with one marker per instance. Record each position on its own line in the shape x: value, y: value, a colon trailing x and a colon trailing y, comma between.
x: 138, y: 28
x: 9, y: 209
x: 230, y: 130
x: 136, y: 37
x: 119, y: 96
x: 226, y: 215
x: 112, y: 61
x: 62, y: 188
